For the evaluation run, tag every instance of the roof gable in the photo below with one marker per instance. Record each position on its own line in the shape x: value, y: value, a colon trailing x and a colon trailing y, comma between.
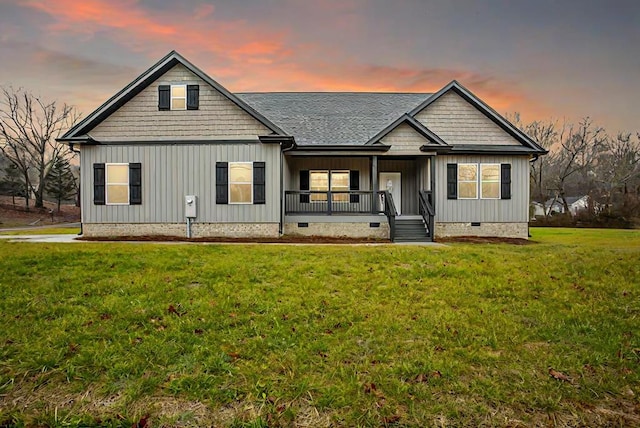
x: 404, y: 121
x: 455, y: 87
x: 80, y: 130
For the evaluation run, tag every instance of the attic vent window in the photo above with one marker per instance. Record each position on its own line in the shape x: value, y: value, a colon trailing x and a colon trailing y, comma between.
x: 178, y: 97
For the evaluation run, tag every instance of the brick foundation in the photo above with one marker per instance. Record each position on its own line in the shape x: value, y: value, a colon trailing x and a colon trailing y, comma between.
x: 198, y: 230
x: 350, y: 230
x: 501, y: 230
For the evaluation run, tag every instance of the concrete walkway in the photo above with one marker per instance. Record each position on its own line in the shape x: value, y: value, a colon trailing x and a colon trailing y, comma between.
x: 36, y: 228
x: 42, y: 238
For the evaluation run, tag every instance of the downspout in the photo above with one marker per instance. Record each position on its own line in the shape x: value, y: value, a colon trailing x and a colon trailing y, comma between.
x: 80, y: 195
x: 282, y: 200
x: 532, y: 160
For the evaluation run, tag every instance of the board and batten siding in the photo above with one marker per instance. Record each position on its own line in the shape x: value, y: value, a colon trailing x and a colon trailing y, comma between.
x: 511, y: 210
x: 404, y: 140
x: 456, y: 121
x: 410, y: 181
x: 172, y: 171
x: 216, y: 117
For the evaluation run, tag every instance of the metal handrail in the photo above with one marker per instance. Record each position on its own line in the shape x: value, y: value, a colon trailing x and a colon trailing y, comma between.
x: 390, y: 211
x: 427, y: 210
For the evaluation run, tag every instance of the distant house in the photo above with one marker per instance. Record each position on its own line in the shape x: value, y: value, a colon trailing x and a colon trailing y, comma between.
x: 555, y: 206
x: 537, y: 209
x: 176, y: 153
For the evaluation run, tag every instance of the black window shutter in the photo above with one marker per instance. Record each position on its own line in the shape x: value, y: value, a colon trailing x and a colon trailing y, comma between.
x: 193, y: 97
x: 354, y: 184
x: 164, y: 97
x: 259, y: 188
x: 135, y: 183
x: 452, y: 181
x: 505, y: 181
x: 222, y: 182
x: 304, y: 185
x: 98, y: 183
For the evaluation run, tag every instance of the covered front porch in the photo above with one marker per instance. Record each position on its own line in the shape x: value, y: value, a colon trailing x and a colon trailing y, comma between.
x: 381, y: 196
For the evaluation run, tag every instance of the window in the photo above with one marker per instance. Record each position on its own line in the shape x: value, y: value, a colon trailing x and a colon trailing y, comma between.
x: 321, y: 180
x: 493, y: 181
x: 117, y: 184
x: 340, y: 183
x: 467, y: 181
x: 117, y: 179
x: 490, y: 181
x: 240, y: 182
x: 178, y: 97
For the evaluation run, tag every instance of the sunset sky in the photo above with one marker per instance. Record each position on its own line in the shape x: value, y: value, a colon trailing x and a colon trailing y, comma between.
x: 546, y: 59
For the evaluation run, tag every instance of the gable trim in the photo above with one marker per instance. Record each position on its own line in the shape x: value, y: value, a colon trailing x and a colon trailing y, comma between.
x: 417, y: 126
x: 494, y: 116
x: 172, y: 59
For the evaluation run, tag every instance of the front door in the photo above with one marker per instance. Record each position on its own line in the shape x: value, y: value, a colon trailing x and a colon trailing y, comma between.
x: 391, y: 182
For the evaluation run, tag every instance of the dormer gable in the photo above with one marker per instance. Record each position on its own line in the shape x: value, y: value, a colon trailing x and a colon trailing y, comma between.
x: 461, y: 119
x: 136, y: 113
x: 408, y: 136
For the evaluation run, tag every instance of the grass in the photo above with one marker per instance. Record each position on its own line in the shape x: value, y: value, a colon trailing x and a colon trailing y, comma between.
x: 43, y: 231
x: 259, y: 335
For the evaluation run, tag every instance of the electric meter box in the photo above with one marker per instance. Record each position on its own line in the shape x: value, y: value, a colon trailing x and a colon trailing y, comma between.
x: 190, y: 206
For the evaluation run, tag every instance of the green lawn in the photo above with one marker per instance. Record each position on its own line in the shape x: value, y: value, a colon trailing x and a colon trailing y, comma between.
x: 546, y: 334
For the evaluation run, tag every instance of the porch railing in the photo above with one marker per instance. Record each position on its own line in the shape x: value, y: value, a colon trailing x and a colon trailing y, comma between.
x: 390, y: 211
x: 333, y: 202
x: 427, y: 210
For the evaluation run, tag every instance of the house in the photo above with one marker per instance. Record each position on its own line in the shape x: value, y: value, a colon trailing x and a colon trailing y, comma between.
x: 175, y: 153
x: 575, y: 203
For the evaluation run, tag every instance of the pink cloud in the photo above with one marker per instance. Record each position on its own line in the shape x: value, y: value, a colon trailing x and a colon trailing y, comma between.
x: 127, y: 22
x: 252, y: 58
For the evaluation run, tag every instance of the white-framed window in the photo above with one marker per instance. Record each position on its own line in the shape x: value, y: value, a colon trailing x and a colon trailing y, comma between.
x: 320, y: 181
x: 117, y: 183
x: 490, y: 181
x: 178, y: 97
x: 467, y: 181
x: 240, y: 182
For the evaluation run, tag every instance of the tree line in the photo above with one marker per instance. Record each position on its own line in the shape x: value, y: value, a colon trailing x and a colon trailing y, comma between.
x: 584, y: 159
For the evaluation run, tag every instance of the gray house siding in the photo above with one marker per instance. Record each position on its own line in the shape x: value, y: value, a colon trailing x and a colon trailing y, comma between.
x: 404, y: 140
x: 457, y: 122
x: 217, y: 117
x: 410, y: 181
x: 511, y: 210
x: 171, y: 171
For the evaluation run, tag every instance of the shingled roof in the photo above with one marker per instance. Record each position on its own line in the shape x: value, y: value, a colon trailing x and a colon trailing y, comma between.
x: 344, y: 118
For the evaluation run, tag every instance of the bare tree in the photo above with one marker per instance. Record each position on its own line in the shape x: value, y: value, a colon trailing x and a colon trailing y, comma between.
x: 619, y: 166
x: 28, y: 129
x: 576, y: 152
x: 545, y: 133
